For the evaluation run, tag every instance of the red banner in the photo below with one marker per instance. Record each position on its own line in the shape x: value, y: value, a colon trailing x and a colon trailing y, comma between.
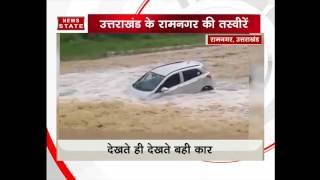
x: 152, y: 23
x: 233, y: 39
x: 70, y: 23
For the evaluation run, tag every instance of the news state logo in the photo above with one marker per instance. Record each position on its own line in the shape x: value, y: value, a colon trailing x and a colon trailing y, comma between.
x: 70, y: 23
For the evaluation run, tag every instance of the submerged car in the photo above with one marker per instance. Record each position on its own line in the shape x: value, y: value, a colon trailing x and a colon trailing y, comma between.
x: 174, y: 78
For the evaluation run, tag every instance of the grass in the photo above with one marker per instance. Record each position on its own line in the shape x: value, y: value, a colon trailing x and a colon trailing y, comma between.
x: 93, y: 46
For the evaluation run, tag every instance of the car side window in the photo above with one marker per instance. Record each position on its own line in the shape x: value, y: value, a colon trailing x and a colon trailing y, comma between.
x: 171, y: 81
x: 192, y: 73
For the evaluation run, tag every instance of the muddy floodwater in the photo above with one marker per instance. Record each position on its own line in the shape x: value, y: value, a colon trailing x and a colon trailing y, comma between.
x: 94, y: 100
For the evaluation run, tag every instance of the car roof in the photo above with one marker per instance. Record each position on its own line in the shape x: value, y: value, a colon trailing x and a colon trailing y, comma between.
x: 166, y: 69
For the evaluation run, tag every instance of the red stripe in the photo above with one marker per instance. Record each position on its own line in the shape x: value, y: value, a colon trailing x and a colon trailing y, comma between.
x: 266, y: 149
x: 62, y: 166
x: 144, y: 3
x: 220, y: 161
x: 140, y: 7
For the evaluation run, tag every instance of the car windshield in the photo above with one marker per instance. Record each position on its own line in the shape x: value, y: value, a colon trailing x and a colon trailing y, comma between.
x: 148, y: 82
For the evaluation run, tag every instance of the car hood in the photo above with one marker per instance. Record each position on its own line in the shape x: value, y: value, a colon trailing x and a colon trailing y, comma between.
x: 144, y: 95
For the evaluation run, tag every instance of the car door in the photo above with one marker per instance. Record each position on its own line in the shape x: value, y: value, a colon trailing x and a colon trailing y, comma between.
x: 192, y: 81
x: 172, y: 83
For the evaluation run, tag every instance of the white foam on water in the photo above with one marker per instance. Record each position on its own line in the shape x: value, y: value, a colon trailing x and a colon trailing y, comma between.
x: 114, y: 84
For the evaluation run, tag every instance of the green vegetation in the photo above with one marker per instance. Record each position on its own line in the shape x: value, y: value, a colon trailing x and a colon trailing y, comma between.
x: 93, y: 46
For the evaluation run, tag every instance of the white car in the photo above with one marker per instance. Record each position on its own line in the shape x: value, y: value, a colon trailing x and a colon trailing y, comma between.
x: 173, y: 78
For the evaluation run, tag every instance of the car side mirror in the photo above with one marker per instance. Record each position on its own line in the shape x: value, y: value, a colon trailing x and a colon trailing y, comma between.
x: 164, y: 89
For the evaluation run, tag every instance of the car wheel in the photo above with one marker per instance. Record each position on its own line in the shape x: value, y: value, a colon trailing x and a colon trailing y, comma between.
x: 207, y: 88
